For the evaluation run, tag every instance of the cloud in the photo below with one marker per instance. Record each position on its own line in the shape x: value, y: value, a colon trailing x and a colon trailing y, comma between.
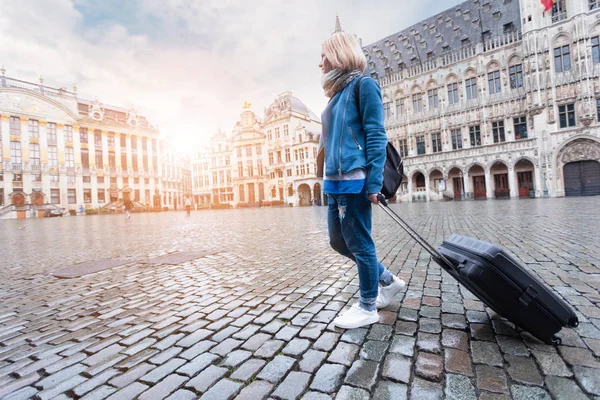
x: 189, y: 65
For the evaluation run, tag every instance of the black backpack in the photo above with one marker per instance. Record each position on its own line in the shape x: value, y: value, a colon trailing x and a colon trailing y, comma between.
x: 393, y: 168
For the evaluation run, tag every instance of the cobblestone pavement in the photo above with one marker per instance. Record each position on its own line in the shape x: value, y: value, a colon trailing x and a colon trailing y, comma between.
x: 251, y: 318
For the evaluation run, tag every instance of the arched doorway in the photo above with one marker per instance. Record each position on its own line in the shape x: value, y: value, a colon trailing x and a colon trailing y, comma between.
x: 455, y: 176
x: 251, y: 194
x: 524, y: 170
x: 317, y: 191
x: 435, y: 180
x: 17, y: 197
x: 418, y: 184
x: 477, y: 175
x: 499, y: 172
x: 582, y: 178
x: 304, y: 198
x: 37, y: 198
x: 579, y: 163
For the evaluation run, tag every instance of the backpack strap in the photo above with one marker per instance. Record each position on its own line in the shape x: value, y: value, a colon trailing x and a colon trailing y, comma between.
x: 357, y: 96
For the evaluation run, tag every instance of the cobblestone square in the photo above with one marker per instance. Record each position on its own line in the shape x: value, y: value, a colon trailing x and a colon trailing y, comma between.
x: 250, y: 317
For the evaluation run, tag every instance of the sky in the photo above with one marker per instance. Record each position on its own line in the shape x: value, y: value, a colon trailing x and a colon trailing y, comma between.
x: 189, y: 65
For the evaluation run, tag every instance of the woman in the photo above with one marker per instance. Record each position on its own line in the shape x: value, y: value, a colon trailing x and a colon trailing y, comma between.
x: 353, y: 147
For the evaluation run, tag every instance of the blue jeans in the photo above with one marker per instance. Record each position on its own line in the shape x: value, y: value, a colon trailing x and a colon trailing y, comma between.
x: 349, y: 220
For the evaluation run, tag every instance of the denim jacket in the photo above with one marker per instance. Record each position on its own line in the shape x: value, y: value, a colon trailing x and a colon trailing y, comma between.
x: 351, y: 140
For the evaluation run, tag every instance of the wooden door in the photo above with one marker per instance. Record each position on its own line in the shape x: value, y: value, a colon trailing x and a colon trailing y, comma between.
x: 457, y: 183
x: 479, y: 187
x: 501, y: 186
x: 582, y: 178
x: 525, y: 179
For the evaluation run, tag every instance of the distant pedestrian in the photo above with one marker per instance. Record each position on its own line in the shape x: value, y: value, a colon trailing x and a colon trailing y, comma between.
x: 188, y: 205
x: 128, y: 205
x: 353, y: 147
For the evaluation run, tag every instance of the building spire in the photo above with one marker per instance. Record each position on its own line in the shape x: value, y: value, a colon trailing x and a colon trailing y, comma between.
x: 338, y: 26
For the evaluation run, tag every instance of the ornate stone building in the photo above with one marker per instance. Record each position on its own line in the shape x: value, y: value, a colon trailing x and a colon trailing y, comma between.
x: 176, y: 176
x: 495, y: 99
x: 265, y: 161
x: 60, y: 150
x: 293, y: 133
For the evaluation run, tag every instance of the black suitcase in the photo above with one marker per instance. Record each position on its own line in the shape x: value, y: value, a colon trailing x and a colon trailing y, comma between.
x: 500, y: 282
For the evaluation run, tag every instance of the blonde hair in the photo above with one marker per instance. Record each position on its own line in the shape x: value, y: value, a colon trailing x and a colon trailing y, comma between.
x: 343, y: 51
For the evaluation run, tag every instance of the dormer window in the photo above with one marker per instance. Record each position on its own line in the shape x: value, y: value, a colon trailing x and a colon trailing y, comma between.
x: 467, y: 15
x: 397, y: 55
x: 448, y: 22
x: 457, y: 12
x: 497, y: 15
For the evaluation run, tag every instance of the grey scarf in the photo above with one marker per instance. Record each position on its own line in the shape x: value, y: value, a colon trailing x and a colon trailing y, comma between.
x: 336, y: 80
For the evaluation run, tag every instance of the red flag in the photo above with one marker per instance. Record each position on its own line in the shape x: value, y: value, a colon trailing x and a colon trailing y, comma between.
x: 547, y: 4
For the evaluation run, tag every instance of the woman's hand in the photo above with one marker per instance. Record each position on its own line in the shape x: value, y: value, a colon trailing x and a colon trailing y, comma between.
x: 373, y: 198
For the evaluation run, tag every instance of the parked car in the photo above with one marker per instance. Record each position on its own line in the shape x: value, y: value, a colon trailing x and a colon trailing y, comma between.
x: 55, y: 212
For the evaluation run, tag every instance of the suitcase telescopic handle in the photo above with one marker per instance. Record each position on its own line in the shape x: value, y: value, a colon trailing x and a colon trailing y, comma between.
x: 437, y: 257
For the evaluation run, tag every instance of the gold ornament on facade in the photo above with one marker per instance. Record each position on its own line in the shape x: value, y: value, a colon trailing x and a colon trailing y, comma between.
x: 84, y: 145
x: 59, y: 125
x: 34, y: 140
x: 5, y: 117
x: 68, y: 144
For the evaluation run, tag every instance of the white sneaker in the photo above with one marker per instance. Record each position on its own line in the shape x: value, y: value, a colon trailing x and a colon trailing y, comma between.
x: 356, y: 317
x: 387, y: 293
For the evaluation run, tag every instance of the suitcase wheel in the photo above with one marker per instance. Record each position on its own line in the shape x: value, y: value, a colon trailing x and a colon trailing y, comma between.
x: 556, y: 340
x: 573, y: 322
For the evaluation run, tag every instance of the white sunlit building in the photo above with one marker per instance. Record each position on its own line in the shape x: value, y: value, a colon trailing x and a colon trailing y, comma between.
x: 61, y: 150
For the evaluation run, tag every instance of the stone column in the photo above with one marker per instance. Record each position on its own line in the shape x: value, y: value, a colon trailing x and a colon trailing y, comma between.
x: 25, y: 157
x: 489, y: 191
x: 5, y: 160
x: 410, y: 198
x: 466, y: 185
x: 539, y: 184
x: 512, y: 183
x: 427, y: 187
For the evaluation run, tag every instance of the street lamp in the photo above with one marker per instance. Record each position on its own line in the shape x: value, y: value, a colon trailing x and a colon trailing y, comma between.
x: 462, y: 187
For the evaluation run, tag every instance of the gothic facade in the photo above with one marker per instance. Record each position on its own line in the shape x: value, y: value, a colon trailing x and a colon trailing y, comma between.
x: 495, y: 99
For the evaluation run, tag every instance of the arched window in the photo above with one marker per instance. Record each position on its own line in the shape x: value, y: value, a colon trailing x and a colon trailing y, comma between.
x: 494, y: 82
